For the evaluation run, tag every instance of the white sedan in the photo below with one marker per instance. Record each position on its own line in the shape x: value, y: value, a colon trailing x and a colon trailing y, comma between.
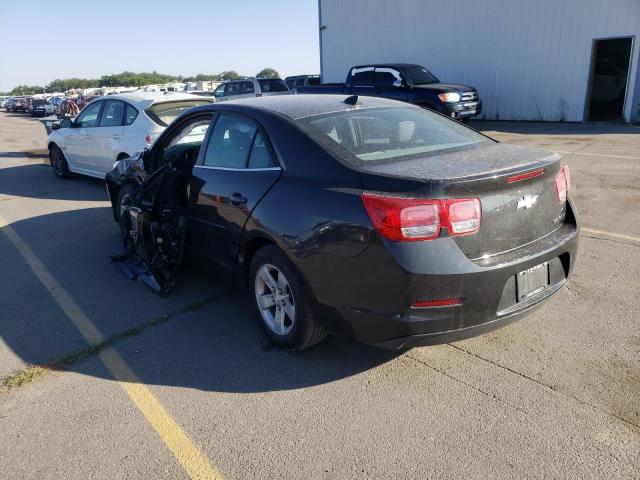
x: 112, y: 128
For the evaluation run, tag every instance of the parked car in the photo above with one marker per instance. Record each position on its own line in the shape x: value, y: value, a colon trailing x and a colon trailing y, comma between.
x: 362, y: 217
x: 408, y: 83
x: 111, y: 128
x: 15, y: 104
x: 250, y: 87
x: 296, y: 81
x: 39, y: 107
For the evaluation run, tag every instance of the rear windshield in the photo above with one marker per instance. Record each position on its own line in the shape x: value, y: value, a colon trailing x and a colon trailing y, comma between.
x: 272, y: 85
x: 165, y: 112
x: 388, y: 133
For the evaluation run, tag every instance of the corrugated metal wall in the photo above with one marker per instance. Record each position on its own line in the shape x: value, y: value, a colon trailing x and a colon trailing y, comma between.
x: 529, y: 59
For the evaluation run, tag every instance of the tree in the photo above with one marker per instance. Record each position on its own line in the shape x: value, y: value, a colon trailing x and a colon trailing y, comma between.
x: 268, y: 73
x: 230, y: 75
x: 27, y: 90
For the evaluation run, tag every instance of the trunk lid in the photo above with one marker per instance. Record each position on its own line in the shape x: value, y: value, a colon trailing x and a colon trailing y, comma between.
x: 514, y: 213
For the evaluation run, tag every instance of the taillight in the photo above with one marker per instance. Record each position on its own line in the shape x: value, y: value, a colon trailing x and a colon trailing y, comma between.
x: 412, y: 219
x: 148, y: 139
x: 563, y: 183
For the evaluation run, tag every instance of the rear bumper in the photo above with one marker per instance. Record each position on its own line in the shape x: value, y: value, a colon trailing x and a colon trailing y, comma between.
x: 486, y: 290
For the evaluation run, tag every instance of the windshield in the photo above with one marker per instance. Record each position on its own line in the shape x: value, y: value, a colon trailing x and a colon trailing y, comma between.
x: 165, y: 112
x: 419, y: 76
x: 383, y: 134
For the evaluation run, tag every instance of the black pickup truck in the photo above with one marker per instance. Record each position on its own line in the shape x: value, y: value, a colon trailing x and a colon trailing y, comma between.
x: 409, y: 83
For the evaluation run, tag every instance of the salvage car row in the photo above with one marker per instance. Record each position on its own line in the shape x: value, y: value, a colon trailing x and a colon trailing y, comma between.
x: 349, y: 215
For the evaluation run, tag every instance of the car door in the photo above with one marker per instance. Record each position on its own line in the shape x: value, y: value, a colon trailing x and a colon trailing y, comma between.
x: 389, y: 84
x: 106, y: 136
x: 218, y: 93
x: 234, y: 171
x: 79, y: 141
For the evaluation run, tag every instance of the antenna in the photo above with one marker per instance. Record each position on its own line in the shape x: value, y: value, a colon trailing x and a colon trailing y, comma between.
x: 352, y: 100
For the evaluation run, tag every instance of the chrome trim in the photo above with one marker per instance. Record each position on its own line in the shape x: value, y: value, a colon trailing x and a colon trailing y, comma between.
x: 267, y: 169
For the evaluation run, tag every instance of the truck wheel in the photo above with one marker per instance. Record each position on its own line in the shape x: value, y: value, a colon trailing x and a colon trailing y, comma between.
x: 282, y: 302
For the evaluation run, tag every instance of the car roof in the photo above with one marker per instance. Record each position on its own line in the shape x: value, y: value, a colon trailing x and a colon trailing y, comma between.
x: 300, y: 106
x: 151, y: 97
x: 387, y: 65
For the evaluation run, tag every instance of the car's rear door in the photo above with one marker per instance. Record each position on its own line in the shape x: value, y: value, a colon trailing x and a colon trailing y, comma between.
x: 107, y: 136
x: 234, y: 171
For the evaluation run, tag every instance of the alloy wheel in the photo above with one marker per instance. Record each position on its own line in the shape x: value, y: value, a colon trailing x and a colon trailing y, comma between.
x: 275, y: 299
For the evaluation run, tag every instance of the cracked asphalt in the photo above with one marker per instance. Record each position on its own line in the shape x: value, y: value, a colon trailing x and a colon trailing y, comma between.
x: 556, y: 395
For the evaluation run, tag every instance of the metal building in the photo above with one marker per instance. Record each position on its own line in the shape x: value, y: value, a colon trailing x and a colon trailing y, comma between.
x: 553, y: 60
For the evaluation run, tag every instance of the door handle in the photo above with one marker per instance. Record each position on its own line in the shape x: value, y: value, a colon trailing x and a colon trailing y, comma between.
x: 237, y: 199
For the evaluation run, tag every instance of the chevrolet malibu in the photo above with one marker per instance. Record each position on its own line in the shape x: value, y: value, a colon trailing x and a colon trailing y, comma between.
x: 361, y: 217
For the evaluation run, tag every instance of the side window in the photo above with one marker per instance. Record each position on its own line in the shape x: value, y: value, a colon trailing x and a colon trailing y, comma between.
x: 362, y: 77
x: 130, y: 115
x: 386, y: 77
x: 300, y: 82
x: 247, y: 87
x: 89, y: 116
x: 186, y: 142
x: 232, y: 89
x: 112, y: 114
x: 260, y: 156
x: 219, y: 91
x: 230, y: 142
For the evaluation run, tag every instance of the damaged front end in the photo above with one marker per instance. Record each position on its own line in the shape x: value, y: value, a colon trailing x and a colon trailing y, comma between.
x: 153, y: 219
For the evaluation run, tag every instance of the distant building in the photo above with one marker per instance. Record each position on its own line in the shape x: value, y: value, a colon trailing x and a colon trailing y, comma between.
x: 567, y: 60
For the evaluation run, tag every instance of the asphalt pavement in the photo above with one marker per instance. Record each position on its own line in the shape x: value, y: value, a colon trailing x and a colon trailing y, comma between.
x: 187, y: 386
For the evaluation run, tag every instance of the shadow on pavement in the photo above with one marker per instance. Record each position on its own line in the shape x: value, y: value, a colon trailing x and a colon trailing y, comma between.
x: 38, y: 180
x: 217, y: 347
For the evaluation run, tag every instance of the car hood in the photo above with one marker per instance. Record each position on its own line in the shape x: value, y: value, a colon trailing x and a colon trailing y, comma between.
x: 444, y: 88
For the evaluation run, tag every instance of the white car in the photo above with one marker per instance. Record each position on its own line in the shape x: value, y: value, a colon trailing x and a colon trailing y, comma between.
x: 112, y: 128
x: 250, y: 87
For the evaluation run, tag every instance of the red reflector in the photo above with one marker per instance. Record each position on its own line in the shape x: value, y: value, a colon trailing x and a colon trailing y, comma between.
x: 437, y: 303
x: 562, y: 183
x: 525, y: 176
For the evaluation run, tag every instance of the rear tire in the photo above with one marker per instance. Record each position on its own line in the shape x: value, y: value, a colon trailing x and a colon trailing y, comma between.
x: 282, y: 301
x: 59, y: 163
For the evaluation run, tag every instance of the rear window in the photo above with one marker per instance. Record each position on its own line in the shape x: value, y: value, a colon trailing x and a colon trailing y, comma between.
x: 166, y: 112
x: 268, y: 85
x: 390, y: 133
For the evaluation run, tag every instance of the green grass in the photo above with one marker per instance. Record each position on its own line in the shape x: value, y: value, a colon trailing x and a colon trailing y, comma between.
x: 32, y: 372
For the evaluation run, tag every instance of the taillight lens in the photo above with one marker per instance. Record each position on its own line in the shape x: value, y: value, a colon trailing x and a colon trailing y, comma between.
x: 563, y: 183
x: 148, y: 139
x: 411, y: 219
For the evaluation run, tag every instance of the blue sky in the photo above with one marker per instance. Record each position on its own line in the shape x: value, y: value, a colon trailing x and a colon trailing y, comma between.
x: 44, y: 40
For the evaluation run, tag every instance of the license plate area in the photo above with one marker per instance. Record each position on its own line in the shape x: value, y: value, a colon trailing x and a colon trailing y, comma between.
x: 532, y: 281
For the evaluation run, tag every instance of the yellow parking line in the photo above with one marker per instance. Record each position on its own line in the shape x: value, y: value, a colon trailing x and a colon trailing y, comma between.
x: 611, y: 234
x: 185, y: 451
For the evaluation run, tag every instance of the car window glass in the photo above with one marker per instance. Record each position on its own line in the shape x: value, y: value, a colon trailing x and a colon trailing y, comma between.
x: 112, y: 115
x: 219, y: 91
x: 362, y: 77
x: 130, y: 115
x: 272, y: 85
x: 232, y: 89
x: 246, y: 87
x: 386, y: 78
x: 89, y: 116
x: 313, y: 81
x: 300, y: 82
x: 260, y: 156
x: 230, y: 142
x: 383, y: 134
x: 290, y: 83
x: 187, y: 141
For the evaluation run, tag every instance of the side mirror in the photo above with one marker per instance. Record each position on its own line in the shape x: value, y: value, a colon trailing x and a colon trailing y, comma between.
x: 55, y: 126
x: 65, y: 123
x: 398, y: 84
